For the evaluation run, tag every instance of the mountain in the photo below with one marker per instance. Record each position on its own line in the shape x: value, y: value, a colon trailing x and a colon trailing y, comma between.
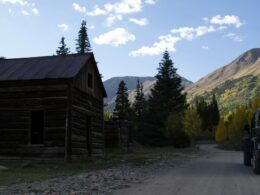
x: 234, y: 84
x: 111, y: 86
x: 149, y: 84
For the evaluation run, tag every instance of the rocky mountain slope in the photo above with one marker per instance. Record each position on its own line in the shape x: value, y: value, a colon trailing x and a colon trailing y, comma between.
x: 234, y: 84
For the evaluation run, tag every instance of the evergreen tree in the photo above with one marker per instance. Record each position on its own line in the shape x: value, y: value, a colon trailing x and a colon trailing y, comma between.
x: 215, y: 111
x: 83, y: 44
x: 139, y: 103
x: 204, y: 112
x: 122, y: 107
x: 62, y: 50
x: 208, y: 111
x: 166, y: 98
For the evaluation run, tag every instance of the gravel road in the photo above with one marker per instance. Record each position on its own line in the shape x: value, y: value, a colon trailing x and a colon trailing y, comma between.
x: 216, y: 172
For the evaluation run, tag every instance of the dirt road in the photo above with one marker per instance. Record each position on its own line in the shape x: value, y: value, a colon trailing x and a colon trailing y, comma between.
x: 215, y: 173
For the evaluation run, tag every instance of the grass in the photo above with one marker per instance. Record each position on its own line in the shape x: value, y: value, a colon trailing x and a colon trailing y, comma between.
x: 42, y: 171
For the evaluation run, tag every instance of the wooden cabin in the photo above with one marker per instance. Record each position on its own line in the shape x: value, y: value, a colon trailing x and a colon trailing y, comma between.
x: 51, y: 106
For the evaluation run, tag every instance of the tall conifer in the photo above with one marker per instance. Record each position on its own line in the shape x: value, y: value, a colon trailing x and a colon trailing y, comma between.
x: 63, y: 49
x: 82, y: 43
x: 122, y: 107
x: 166, y: 99
x: 166, y: 96
x: 139, y: 103
x: 215, y: 111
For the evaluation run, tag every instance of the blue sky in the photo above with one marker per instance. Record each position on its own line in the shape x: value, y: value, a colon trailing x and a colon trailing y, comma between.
x: 128, y: 36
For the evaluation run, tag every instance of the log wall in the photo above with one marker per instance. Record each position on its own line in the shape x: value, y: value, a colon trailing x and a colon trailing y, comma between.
x: 86, y: 106
x: 16, y: 103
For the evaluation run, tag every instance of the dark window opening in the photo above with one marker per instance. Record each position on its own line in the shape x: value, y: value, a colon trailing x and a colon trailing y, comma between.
x: 37, y: 127
x: 90, y: 80
x: 88, y: 134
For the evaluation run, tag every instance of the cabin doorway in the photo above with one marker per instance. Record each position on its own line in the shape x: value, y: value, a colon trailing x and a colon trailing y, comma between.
x: 88, y: 135
x: 37, y: 127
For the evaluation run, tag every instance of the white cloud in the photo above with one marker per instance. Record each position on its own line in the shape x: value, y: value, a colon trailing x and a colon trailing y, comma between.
x: 23, y: 3
x: 35, y: 11
x: 234, y: 37
x: 124, y: 6
x: 190, y: 33
x: 116, y: 37
x: 169, y: 41
x: 20, y: 2
x: 79, y: 8
x: 205, y: 47
x: 64, y: 27
x: 97, y: 12
x: 111, y: 19
x: 165, y: 42
x: 116, y: 11
x: 25, y: 13
x: 140, y: 22
x: 152, y: 2
x: 226, y: 20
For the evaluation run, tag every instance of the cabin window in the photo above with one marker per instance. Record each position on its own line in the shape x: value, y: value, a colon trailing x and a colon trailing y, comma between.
x: 90, y: 80
x: 37, y: 127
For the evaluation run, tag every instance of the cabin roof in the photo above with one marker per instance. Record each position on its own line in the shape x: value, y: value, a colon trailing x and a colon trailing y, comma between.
x: 47, y: 67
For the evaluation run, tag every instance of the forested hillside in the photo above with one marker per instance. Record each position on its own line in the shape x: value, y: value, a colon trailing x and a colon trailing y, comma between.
x: 233, y: 84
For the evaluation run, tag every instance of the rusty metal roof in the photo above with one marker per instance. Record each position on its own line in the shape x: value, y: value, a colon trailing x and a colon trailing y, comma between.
x: 49, y: 67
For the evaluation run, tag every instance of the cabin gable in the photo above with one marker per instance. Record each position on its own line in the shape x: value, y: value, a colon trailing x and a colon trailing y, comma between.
x: 89, y: 81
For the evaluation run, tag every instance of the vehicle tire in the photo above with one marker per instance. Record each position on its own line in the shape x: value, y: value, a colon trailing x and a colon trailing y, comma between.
x: 247, y: 159
x: 255, y: 163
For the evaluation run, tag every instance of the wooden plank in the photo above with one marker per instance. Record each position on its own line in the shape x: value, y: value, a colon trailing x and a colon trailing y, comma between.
x: 78, y: 138
x: 24, y: 88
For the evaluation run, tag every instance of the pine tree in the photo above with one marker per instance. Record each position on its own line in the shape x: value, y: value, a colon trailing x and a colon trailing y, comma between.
x: 203, y: 110
x: 62, y: 50
x: 215, y: 111
x: 208, y: 111
x: 139, y: 103
x: 122, y: 107
x: 166, y: 99
x: 166, y: 96
x: 83, y: 44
